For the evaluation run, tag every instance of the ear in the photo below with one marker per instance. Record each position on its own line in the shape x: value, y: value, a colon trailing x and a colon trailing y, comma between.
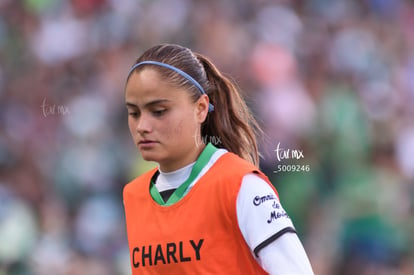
x: 201, y: 108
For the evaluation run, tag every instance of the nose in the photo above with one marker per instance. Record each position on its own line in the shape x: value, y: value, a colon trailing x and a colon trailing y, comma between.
x: 143, y: 124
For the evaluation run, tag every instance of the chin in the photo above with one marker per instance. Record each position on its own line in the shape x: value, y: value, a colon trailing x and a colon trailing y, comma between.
x: 148, y: 156
x: 151, y: 156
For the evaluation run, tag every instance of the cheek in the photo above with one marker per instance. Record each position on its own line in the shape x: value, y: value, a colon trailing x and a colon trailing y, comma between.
x: 172, y: 130
x: 178, y: 128
x: 132, y: 127
x: 186, y: 129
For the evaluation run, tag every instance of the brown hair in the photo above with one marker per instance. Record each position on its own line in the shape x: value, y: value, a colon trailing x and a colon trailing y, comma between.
x: 231, y: 121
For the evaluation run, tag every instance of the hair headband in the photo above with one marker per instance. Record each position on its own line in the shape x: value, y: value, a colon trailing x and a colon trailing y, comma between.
x: 175, y: 69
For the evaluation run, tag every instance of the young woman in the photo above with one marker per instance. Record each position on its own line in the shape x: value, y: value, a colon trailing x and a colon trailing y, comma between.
x: 206, y: 209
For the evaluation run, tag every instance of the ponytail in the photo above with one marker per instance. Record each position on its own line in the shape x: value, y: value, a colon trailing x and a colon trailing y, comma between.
x: 231, y: 122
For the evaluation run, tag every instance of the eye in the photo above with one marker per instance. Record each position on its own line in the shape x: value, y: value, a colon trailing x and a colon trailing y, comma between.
x: 133, y: 114
x: 159, y: 112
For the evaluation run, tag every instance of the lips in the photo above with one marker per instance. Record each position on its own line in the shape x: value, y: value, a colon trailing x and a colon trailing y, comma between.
x: 146, y: 141
x: 146, y: 144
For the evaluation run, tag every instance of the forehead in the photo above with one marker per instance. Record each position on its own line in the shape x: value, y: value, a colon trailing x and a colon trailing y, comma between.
x: 145, y: 79
x: 147, y: 85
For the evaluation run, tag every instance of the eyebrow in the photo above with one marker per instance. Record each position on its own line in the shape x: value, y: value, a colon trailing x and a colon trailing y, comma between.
x: 149, y: 104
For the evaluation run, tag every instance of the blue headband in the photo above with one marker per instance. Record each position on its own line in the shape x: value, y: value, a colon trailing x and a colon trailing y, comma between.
x: 180, y: 72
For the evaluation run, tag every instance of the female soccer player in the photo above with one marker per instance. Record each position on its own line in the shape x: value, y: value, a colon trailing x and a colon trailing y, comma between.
x: 206, y: 209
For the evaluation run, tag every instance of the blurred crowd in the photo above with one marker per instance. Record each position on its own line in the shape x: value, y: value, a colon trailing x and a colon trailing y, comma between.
x: 333, y: 79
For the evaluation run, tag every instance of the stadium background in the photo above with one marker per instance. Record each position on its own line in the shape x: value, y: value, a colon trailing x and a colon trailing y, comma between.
x: 332, y: 78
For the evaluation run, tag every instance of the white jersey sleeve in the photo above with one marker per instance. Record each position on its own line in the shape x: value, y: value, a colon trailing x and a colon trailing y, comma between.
x: 268, y: 230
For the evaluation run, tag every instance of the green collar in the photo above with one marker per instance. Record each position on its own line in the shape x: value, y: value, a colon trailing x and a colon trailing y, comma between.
x: 201, y: 162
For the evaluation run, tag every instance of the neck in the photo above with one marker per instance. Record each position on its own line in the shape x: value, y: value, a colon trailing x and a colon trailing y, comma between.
x: 190, y: 157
